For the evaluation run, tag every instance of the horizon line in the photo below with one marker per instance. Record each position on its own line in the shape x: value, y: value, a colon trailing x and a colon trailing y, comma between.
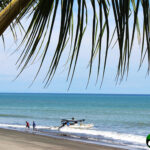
x: 73, y: 93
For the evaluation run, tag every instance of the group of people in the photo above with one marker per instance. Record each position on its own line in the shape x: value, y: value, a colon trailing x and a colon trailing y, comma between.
x: 66, y: 123
x: 28, y: 125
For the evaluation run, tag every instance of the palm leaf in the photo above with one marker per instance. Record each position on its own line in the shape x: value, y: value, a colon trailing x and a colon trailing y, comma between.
x: 41, y: 27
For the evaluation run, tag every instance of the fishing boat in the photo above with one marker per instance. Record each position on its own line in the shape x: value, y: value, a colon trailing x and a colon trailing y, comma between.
x: 76, y: 124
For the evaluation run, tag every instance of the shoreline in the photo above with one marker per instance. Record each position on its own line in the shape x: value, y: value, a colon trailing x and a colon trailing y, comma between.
x: 17, y: 140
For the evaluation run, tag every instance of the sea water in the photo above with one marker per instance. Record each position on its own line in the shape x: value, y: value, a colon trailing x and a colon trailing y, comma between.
x: 119, y: 120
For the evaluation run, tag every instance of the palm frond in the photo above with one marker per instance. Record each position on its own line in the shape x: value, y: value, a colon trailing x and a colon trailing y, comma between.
x: 43, y: 13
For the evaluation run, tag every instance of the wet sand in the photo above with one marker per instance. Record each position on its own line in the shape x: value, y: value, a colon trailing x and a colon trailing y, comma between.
x: 14, y: 140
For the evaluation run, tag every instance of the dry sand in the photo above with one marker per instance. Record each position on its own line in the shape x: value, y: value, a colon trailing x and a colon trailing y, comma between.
x: 14, y: 140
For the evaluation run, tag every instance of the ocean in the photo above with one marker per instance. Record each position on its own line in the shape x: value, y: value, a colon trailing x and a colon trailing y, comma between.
x: 119, y: 120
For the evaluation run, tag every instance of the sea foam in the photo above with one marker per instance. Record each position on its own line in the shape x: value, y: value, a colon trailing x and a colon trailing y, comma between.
x: 107, y: 134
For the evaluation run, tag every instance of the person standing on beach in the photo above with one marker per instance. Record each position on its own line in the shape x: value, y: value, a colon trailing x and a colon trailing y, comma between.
x: 27, y: 125
x: 34, y: 125
x: 68, y: 124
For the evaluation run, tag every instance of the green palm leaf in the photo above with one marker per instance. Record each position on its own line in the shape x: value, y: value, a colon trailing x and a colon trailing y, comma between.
x: 41, y: 27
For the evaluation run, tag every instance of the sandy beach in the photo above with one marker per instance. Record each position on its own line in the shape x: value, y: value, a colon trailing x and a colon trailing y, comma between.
x: 14, y: 140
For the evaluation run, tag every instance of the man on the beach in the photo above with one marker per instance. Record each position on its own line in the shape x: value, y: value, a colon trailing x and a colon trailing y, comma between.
x: 34, y: 125
x: 27, y: 125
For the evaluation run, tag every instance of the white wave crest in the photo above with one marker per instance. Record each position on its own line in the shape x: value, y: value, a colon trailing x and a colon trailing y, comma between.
x: 21, y: 126
x: 107, y: 134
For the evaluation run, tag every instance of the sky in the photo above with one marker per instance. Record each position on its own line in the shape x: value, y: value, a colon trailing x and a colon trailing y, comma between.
x: 136, y: 83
